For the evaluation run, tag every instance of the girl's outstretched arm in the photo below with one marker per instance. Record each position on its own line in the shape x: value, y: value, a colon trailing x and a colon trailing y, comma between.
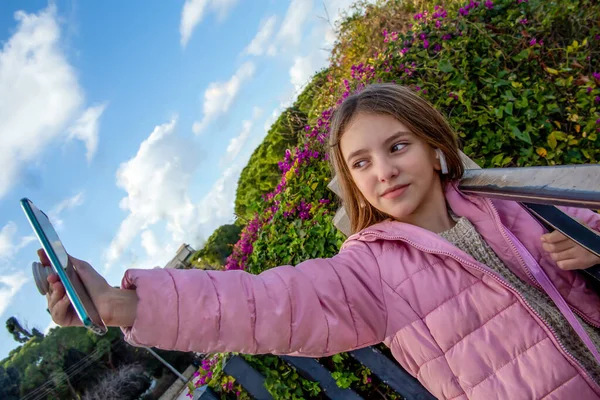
x: 318, y: 308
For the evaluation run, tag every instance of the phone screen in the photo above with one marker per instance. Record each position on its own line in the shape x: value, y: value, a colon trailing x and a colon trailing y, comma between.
x: 80, y: 299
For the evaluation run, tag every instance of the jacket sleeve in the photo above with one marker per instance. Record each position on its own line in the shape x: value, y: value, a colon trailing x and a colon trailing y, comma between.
x: 584, y: 215
x: 318, y: 308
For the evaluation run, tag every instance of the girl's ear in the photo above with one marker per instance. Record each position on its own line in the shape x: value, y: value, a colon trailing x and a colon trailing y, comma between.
x: 442, y: 158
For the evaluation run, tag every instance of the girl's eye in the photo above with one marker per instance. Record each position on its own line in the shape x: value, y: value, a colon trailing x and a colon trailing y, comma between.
x: 358, y: 164
x: 398, y: 147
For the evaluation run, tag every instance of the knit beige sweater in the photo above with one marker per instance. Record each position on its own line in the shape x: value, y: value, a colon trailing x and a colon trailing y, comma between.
x: 464, y: 236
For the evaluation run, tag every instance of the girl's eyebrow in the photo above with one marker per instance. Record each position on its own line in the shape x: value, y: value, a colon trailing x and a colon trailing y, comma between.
x: 395, y: 136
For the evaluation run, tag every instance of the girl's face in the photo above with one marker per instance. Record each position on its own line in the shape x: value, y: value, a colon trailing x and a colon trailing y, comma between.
x: 394, y: 170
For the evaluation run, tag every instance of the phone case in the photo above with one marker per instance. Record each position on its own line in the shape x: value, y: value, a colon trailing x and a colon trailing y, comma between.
x: 97, y: 326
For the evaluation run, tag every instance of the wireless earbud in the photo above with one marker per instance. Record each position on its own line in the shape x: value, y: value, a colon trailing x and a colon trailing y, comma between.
x: 440, y: 156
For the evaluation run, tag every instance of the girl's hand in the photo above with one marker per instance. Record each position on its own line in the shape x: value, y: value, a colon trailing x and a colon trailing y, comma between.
x: 567, y: 254
x: 59, y: 305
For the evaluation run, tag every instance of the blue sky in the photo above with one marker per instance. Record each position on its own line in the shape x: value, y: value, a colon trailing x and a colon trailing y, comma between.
x: 130, y: 122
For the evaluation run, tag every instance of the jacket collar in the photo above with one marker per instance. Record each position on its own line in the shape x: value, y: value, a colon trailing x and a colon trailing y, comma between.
x: 481, y: 212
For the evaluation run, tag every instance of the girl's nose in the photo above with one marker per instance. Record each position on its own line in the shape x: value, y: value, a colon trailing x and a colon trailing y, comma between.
x: 387, y: 171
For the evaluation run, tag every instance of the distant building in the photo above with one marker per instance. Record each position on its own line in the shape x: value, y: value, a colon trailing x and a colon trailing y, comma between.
x: 183, y: 257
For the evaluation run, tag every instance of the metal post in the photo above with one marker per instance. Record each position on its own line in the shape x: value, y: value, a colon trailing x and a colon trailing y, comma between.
x: 162, y: 360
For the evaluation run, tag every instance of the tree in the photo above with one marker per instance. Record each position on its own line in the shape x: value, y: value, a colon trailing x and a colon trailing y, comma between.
x: 218, y: 247
x: 9, y: 383
x: 127, y: 383
x: 19, y: 333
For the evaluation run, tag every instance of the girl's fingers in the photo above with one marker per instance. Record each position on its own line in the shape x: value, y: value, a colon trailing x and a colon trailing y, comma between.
x: 558, y: 246
x: 58, y: 288
x: 567, y: 265
x: 43, y: 258
x: 569, y: 254
x: 59, y: 311
x: 52, y: 278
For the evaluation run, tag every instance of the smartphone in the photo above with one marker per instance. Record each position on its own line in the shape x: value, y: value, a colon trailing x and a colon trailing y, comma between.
x: 62, y: 266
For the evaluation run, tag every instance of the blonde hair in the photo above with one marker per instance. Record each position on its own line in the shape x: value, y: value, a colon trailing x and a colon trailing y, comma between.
x: 415, y: 113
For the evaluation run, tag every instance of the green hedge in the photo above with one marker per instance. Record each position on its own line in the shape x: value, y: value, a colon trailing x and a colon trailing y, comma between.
x: 518, y: 80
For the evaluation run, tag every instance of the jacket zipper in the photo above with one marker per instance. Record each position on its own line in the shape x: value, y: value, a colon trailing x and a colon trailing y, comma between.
x: 575, y: 310
x: 497, y: 216
x: 493, y: 275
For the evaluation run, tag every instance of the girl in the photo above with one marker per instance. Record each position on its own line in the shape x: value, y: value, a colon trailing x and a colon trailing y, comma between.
x: 446, y: 280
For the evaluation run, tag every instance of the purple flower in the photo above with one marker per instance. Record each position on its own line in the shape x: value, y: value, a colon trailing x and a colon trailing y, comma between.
x: 447, y: 36
x: 426, y: 43
x: 418, y: 16
x: 422, y: 36
x: 524, y: 21
x: 437, y: 48
x: 417, y: 88
x: 522, y: 1
x: 438, y: 24
x: 489, y: 4
x: 404, y: 51
x: 589, y: 90
x: 533, y: 42
x: 597, y: 99
x: 464, y: 12
x: 597, y: 37
x: 596, y: 75
x: 598, y: 121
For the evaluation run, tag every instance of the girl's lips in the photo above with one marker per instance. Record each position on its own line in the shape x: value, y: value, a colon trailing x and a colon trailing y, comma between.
x: 395, y: 193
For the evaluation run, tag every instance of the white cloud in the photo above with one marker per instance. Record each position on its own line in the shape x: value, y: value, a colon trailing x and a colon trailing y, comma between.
x: 54, y: 215
x: 86, y: 129
x: 303, y: 69
x: 51, y: 325
x: 9, y: 246
x: 216, y: 208
x: 6, y: 239
x: 9, y: 286
x: 156, y: 181
x: 262, y: 42
x: 237, y: 143
x: 39, y: 94
x: 193, y: 12
x: 219, y: 96
x: 296, y: 16
x: 307, y: 25
x: 150, y: 243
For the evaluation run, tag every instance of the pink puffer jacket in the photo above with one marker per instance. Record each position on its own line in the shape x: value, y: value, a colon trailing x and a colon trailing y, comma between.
x: 449, y: 320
